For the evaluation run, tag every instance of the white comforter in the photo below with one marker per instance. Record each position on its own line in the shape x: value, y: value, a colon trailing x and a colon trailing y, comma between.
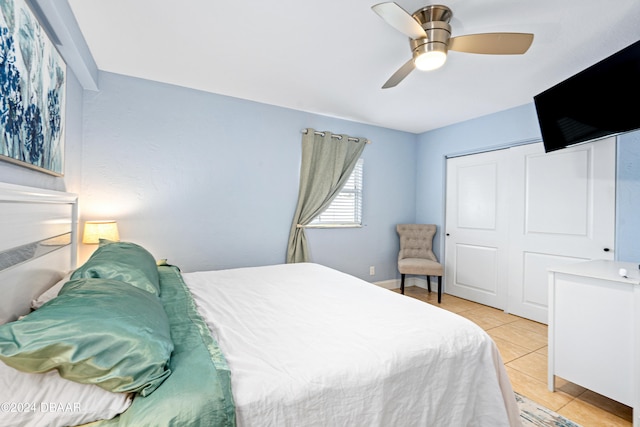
x: 310, y: 346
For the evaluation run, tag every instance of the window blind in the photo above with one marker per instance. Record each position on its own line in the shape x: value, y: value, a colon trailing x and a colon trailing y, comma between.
x: 346, y: 208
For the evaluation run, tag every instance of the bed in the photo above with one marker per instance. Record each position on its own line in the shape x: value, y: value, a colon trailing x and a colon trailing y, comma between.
x: 279, y: 345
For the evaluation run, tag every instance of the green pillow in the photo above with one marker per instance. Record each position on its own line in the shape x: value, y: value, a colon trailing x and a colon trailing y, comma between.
x: 97, y: 331
x: 122, y: 261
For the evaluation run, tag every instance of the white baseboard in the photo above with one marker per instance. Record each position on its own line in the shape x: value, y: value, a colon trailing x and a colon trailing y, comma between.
x: 388, y: 284
x: 409, y: 281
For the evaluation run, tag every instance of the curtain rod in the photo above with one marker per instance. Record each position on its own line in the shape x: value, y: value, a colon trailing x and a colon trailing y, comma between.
x: 305, y: 131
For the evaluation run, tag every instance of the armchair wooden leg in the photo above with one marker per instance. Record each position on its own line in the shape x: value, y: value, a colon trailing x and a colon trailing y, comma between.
x: 429, y: 283
x: 439, y: 289
x: 402, y: 284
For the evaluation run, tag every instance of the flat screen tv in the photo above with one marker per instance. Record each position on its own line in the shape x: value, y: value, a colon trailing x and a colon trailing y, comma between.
x: 600, y: 101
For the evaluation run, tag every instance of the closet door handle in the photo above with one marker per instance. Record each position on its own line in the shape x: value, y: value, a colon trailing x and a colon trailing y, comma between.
x: 607, y: 249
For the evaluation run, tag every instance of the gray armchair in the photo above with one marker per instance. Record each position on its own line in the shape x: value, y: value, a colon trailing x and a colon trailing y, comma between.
x: 416, y: 255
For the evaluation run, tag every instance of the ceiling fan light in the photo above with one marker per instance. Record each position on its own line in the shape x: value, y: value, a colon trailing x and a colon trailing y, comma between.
x: 430, y: 60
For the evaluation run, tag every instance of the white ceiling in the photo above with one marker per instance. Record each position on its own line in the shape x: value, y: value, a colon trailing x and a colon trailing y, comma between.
x: 331, y: 57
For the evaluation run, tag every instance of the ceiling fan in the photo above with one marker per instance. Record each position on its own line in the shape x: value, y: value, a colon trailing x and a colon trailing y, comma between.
x: 430, y: 38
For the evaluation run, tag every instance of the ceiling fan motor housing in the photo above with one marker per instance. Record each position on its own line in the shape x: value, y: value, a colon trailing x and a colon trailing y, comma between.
x: 434, y: 20
x: 437, y: 33
x: 432, y: 13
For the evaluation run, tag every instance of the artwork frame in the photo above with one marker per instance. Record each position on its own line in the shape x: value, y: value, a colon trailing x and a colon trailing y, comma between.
x: 32, y: 92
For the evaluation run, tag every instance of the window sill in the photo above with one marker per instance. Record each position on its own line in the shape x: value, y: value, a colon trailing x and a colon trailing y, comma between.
x: 332, y: 226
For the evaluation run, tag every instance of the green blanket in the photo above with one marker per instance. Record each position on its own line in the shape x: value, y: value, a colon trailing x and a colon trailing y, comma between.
x: 198, y: 391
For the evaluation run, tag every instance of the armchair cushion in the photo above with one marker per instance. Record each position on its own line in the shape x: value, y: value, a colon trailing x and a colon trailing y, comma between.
x: 420, y: 266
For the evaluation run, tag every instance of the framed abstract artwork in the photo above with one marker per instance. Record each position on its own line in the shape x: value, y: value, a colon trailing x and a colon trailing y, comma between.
x: 32, y: 92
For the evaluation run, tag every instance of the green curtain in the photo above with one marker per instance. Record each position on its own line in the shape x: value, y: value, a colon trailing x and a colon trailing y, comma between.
x: 327, y: 162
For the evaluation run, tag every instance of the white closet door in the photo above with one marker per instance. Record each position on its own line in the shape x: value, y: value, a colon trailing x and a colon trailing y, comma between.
x: 477, y: 227
x: 565, y: 212
x: 511, y: 214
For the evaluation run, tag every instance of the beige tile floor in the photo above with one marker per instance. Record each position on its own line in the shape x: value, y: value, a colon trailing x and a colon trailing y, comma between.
x: 523, y: 346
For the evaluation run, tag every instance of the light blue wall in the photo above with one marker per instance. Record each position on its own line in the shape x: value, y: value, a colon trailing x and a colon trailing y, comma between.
x: 628, y: 198
x: 511, y: 127
x: 389, y: 198
x: 211, y: 182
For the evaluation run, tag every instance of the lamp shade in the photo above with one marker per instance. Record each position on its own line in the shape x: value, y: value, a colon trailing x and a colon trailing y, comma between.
x: 96, y: 230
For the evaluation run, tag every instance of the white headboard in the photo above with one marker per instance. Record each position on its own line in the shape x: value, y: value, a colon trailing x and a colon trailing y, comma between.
x: 38, y: 244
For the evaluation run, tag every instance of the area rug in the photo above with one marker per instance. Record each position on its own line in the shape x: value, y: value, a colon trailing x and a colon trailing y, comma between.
x: 534, y: 415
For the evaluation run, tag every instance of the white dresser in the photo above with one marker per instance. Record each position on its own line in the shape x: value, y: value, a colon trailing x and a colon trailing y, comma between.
x: 594, y: 329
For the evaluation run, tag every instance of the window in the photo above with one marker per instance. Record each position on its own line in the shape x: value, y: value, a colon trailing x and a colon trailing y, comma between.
x: 346, y: 209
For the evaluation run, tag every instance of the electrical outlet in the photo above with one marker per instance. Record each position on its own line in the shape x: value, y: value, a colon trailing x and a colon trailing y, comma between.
x: 372, y: 271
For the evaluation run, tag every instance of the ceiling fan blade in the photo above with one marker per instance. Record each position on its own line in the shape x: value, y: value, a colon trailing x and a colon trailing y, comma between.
x: 492, y: 43
x: 399, y: 75
x: 399, y: 19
